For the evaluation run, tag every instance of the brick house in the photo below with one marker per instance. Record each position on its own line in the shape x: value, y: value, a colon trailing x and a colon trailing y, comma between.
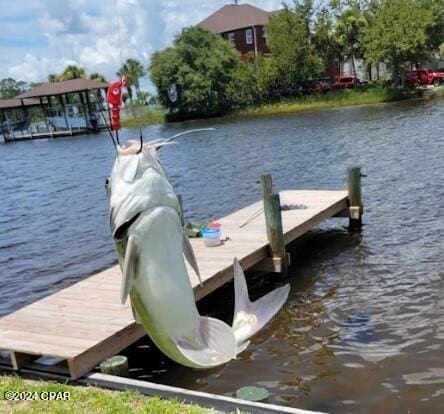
x: 241, y: 24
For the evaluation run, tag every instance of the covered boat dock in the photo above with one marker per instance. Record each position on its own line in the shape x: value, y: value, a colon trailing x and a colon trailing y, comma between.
x: 64, y: 108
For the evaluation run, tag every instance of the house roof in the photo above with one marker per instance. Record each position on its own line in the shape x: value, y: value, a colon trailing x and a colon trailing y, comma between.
x: 17, y: 103
x: 233, y: 17
x: 59, y: 88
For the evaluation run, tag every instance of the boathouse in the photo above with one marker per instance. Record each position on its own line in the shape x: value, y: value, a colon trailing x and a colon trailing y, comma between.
x: 64, y: 108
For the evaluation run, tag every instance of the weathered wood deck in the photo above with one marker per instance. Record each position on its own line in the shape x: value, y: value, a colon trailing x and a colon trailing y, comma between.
x: 85, y: 323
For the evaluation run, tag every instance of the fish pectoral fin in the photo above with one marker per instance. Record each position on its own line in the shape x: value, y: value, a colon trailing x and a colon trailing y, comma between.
x: 189, y: 255
x: 130, y: 265
x: 212, y: 345
x: 251, y: 317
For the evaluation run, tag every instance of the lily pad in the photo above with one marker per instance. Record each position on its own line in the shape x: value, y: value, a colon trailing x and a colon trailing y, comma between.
x: 251, y: 393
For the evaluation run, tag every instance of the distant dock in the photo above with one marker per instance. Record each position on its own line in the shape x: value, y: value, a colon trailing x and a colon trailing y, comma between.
x: 55, y: 109
x: 85, y: 323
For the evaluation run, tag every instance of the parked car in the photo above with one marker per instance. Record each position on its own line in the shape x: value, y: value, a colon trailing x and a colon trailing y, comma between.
x: 321, y: 85
x: 424, y: 77
x: 346, y: 82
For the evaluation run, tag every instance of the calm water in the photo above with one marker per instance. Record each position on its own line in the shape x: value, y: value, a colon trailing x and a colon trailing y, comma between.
x: 363, y: 329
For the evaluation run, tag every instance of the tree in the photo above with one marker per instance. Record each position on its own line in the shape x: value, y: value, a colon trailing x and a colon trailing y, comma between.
x: 53, y: 78
x: 97, y: 77
x: 398, y: 34
x: 9, y: 88
x: 293, y: 59
x: 133, y: 70
x: 198, y: 75
x: 72, y: 72
x: 350, y: 28
x: 435, y: 32
x: 326, y: 41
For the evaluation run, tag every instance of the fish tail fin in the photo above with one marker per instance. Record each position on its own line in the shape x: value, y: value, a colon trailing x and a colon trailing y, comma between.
x: 251, y: 317
x: 212, y: 345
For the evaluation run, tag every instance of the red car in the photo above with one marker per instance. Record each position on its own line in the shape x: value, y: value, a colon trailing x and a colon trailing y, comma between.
x: 423, y: 77
x: 346, y: 82
x: 321, y: 85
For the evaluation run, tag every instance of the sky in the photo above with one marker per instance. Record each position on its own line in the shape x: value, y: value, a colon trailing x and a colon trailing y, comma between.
x: 39, y: 37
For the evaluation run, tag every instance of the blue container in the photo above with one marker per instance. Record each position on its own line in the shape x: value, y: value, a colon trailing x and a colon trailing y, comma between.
x: 211, y: 236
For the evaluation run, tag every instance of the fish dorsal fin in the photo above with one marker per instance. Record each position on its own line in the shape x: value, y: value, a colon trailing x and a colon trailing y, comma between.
x: 189, y: 255
x: 130, y: 265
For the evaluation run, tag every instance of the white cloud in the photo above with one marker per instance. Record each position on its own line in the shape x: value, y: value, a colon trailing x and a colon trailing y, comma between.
x: 33, y: 68
x: 84, y: 32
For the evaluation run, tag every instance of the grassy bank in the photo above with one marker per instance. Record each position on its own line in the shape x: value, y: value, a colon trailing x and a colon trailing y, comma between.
x: 333, y: 99
x: 84, y: 400
x: 145, y: 116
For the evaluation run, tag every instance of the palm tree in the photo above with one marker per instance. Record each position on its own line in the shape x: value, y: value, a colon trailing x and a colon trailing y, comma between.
x: 97, y: 77
x: 350, y: 28
x: 73, y: 72
x: 53, y: 78
x: 133, y: 70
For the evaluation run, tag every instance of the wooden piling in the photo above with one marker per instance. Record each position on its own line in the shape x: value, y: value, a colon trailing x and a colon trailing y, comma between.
x: 267, y: 184
x: 116, y: 365
x: 273, y: 223
x: 356, y: 208
x: 267, y: 189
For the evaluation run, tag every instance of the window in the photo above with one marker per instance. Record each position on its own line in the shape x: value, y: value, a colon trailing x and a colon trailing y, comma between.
x: 249, y: 36
x: 231, y: 37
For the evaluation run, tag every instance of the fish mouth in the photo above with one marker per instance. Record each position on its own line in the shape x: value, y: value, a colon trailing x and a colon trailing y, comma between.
x: 121, y: 232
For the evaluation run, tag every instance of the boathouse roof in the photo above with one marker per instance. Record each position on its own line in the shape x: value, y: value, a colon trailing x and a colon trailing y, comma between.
x: 17, y: 103
x: 62, y: 87
x: 233, y: 17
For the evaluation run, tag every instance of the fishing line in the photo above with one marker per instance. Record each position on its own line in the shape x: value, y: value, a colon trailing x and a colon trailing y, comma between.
x: 255, y: 215
x: 106, y: 123
x: 119, y: 38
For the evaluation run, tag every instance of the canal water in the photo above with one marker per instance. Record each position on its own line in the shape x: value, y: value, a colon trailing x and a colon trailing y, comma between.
x: 363, y: 330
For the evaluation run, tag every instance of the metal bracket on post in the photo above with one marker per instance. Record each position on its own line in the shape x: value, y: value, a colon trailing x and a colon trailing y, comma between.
x: 356, y: 208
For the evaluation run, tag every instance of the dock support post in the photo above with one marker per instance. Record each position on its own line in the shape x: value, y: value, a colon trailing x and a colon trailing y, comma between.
x: 267, y: 190
x: 356, y: 208
x: 116, y: 365
x: 273, y: 222
x: 19, y: 360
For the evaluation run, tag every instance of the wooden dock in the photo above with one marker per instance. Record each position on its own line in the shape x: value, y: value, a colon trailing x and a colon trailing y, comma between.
x: 29, y: 136
x: 85, y: 323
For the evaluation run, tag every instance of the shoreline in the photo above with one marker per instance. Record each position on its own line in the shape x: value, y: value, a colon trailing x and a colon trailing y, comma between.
x: 309, y: 103
x: 67, y: 397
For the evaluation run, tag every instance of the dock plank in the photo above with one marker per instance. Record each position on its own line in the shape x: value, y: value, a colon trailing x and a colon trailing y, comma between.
x: 85, y: 323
